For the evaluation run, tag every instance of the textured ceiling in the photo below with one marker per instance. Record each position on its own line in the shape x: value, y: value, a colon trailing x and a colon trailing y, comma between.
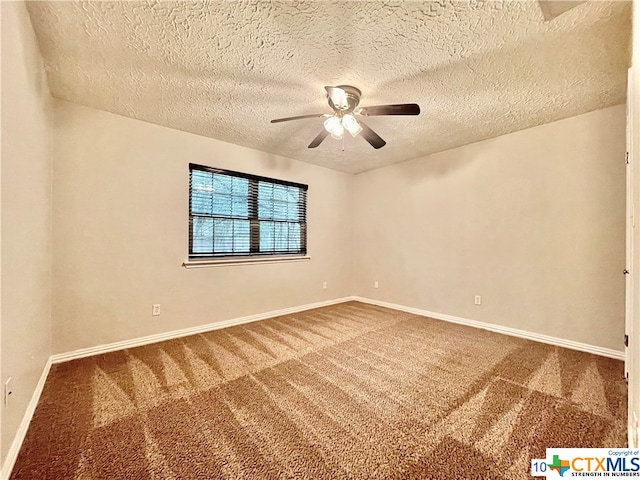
x: 478, y: 69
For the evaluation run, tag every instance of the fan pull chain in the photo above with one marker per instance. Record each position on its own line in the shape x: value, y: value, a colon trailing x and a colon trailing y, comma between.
x: 343, y: 143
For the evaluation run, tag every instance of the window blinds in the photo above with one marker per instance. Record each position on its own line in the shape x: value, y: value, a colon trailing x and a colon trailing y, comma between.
x: 237, y: 214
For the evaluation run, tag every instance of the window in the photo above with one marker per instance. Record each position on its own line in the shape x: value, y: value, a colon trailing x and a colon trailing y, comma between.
x: 236, y: 214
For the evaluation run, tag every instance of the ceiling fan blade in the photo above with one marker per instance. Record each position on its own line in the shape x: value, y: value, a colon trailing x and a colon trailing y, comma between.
x: 318, y: 140
x: 370, y: 136
x: 338, y: 97
x: 314, y: 115
x: 399, y: 109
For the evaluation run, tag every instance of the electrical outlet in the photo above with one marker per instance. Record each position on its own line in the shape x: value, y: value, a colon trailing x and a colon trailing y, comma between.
x: 477, y: 300
x: 155, y: 311
x: 375, y: 284
x: 324, y: 285
x: 7, y: 391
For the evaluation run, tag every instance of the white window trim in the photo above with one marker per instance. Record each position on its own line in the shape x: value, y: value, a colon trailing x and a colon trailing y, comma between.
x: 224, y: 262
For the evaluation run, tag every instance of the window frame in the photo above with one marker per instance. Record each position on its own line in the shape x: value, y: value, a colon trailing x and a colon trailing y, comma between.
x: 253, y: 216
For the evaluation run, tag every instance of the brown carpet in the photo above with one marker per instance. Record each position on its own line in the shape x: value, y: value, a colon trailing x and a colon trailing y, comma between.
x: 351, y: 391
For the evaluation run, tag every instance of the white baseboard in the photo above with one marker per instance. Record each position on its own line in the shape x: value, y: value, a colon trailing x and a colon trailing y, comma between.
x: 160, y: 337
x: 537, y: 337
x: 12, y: 454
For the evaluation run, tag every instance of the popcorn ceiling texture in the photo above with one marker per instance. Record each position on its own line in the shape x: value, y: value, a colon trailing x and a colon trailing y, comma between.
x: 478, y: 69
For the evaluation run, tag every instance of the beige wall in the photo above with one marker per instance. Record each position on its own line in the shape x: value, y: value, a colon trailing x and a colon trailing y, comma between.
x: 532, y: 221
x: 25, y: 215
x: 120, y: 229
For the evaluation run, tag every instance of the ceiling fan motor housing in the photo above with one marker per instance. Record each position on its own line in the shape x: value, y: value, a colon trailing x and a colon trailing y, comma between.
x: 352, y: 95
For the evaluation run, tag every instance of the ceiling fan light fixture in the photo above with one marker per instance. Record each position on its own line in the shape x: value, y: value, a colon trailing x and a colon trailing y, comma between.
x: 331, y: 123
x: 338, y: 131
x: 350, y: 123
x: 334, y: 126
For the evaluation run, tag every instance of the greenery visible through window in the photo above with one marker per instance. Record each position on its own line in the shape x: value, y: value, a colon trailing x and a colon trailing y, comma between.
x: 236, y: 214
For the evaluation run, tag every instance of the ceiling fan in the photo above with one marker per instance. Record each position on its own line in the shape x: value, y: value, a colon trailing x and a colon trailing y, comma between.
x: 344, y: 100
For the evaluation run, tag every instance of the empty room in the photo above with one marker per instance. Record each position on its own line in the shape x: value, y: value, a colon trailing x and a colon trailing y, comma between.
x: 319, y: 239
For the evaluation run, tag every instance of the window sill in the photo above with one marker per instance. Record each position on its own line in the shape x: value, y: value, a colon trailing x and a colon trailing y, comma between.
x: 242, y: 261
